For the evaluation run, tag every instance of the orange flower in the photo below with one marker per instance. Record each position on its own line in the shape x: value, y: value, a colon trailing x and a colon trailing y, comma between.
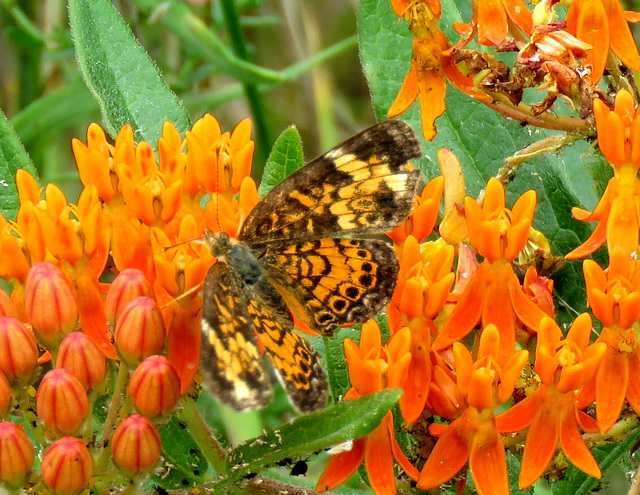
x: 617, y: 211
x: 373, y: 367
x: 431, y: 62
x: 473, y: 437
x: 424, y: 282
x: 602, y: 24
x: 551, y: 411
x: 614, y: 297
x: 494, y: 293
x: 424, y: 214
x: 494, y: 19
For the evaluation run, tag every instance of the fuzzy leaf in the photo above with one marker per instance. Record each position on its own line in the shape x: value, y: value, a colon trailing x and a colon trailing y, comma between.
x: 120, y: 74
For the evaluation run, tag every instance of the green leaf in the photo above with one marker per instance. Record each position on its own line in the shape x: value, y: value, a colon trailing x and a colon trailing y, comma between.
x: 120, y: 74
x: 185, y: 463
x: 285, y: 158
x: 12, y: 158
x: 311, y: 433
x: 333, y: 356
x: 576, y: 482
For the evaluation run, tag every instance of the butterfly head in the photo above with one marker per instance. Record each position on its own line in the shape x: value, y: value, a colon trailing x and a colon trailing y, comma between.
x: 220, y: 244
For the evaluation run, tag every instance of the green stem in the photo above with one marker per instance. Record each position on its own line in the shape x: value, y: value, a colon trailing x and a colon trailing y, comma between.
x: 114, y: 409
x: 213, y: 451
x: 255, y: 100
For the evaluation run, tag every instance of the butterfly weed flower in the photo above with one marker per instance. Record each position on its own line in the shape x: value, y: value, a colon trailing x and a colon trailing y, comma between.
x: 602, y: 24
x: 18, y: 351
x: 373, y: 367
x: 80, y: 356
x: 16, y: 456
x: 551, y: 412
x: 5, y: 395
x: 50, y: 304
x: 617, y: 211
x: 494, y: 294
x: 136, y: 446
x: 493, y: 20
x: 431, y: 63
x: 155, y: 387
x: 75, y: 237
x: 614, y: 297
x: 472, y: 437
x: 424, y: 283
x: 66, y: 467
x: 128, y: 284
x: 62, y: 402
x: 140, y: 331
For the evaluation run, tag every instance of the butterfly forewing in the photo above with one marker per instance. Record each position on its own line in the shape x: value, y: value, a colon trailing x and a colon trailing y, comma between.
x: 362, y: 187
x: 234, y: 370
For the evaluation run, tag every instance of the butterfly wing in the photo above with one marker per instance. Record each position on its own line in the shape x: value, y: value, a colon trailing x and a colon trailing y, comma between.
x: 362, y: 186
x: 233, y: 366
x: 296, y: 361
x: 332, y: 282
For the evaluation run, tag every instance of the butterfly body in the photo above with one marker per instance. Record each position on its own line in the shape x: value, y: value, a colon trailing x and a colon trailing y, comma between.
x: 296, y: 252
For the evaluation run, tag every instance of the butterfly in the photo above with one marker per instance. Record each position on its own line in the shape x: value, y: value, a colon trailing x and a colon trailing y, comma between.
x: 299, y: 251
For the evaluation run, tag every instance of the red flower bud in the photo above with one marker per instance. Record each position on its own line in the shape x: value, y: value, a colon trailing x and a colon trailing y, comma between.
x: 18, y: 350
x: 155, y: 387
x: 140, y: 331
x: 61, y: 401
x: 136, y: 445
x: 6, y: 306
x: 5, y: 395
x: 128, y: 285
x: 16, y: 455
x: 82, y: 358
x: 50, y: 303
x: 66, y: 466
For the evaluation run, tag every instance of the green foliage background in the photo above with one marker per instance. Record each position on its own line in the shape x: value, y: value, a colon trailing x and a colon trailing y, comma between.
x: 283, y: 63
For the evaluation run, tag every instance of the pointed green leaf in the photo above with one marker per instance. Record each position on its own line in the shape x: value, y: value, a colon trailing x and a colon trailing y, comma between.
x: 285, y: 158
x: 12, y: 158
x: 311, y: 433
x: 120, y: 74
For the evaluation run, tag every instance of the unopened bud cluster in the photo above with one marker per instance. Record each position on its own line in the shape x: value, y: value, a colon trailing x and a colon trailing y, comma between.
x: 43, y: 330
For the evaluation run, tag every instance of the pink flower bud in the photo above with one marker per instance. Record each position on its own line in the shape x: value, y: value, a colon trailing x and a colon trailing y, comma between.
x: 136, y: 445
x: 155, y: 387
x: 66, y: 466
x: 5, y: 395
x: 82, y: 358
x: 61, y: 401
x: 18, y: 351
x: 50, y: 304
x: 128, y: 285
x: 140, y: 331
x: 16, y: 455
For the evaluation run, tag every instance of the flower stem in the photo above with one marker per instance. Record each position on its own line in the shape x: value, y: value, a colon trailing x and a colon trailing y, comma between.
x: 202, y: 434
x: 116, y: 403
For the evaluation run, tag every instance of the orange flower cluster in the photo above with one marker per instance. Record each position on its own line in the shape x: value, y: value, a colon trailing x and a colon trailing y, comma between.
x: 566, y: 57
x: 142, y: 214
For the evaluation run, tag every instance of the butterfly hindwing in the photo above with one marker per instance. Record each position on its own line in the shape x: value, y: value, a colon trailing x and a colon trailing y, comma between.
x: 295, y: 360
x: 333, y: 282
x: 234, y: 370
x: 362, y: 186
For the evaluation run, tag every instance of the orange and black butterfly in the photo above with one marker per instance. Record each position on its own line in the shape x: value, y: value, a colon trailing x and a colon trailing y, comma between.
x: 300, y: 251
